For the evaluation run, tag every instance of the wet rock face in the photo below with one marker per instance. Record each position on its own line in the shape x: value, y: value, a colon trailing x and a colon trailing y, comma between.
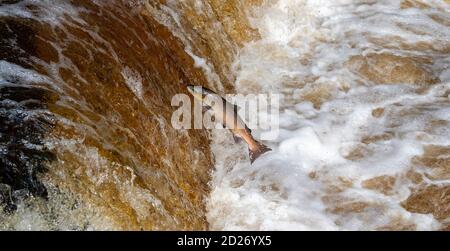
x: 85, y: 110
x: 436, y: 161
x: 22, y: 152
x: 392, y: 69
x: 211, y: 30
x: 432, y: 199
x: 23, y: 46
x: 382, y: 184
x: 23, y: 123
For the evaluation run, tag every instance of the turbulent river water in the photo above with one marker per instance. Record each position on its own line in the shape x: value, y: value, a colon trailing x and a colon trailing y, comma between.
x: 86, y: 140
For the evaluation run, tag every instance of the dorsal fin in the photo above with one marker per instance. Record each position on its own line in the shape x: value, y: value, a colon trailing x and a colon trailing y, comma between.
x: 248, y: 129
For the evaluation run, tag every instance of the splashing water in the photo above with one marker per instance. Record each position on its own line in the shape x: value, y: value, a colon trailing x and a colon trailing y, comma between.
x: 85, y: 90
x: 365, y: 89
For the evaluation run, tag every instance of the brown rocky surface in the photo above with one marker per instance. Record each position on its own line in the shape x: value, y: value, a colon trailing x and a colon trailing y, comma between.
x: 220, y: 45
x: 392, y: 69
x: 431, y: 199
x: 383, y: 184
x: 413, y: 3
x: 113, y: 70
x: 378, y: 112
x: 437, y: 160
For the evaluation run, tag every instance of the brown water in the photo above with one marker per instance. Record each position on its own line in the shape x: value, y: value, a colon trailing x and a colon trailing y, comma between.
x: 86, y: 140
x: 97, y: 78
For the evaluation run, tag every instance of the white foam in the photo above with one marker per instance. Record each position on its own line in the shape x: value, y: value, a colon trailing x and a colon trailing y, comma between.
x: 206, y: 67
x: 277, y: 191
x: 50, y: 11
x: 134, y: 81
x: 11, y: 72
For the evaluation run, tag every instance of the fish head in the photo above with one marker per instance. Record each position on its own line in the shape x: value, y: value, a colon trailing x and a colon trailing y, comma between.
x: 200, y: 93
x: 196, y: 91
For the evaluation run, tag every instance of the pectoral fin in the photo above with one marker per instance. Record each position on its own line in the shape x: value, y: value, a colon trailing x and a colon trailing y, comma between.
x: 236, y: 138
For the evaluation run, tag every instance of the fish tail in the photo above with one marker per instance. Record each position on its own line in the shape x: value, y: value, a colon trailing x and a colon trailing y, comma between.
x: 258, y: 150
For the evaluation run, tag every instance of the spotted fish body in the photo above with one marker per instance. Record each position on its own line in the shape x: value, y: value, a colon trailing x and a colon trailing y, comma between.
x: 227, y: 114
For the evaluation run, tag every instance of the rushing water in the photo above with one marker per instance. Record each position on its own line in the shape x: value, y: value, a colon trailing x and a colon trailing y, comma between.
x: 86, y: 140
x: 365, y: 109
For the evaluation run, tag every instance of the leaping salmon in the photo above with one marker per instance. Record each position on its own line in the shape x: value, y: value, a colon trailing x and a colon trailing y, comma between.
x: 227, y: 114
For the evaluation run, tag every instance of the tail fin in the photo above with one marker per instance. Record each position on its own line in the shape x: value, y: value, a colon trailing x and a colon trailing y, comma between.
x: 258, y: 150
